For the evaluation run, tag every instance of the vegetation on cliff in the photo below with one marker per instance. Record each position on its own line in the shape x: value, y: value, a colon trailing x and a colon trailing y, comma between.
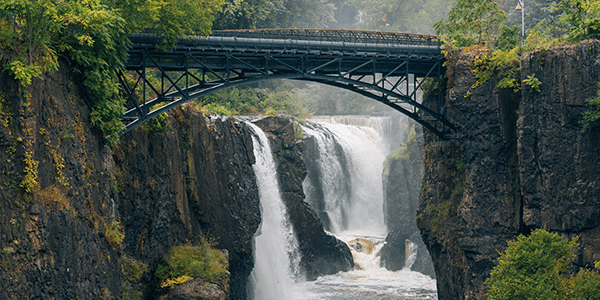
x: 481, y: 26
x: 535, y: 267
x: 184, y: 262
x: 35, y: 34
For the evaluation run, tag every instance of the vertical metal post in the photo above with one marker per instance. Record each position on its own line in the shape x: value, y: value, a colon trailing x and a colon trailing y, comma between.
x: 143, y: 83
x: 439, y: 83
x: 521, y: 7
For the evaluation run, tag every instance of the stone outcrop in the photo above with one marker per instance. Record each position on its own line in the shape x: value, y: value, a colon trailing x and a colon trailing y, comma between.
x: 197, y: 289
x: 322, y: 253
x: 60, y: 240
x: 52, y: 240
x: 402, y: 175
x: 195, y: 179
x: 519, y: 162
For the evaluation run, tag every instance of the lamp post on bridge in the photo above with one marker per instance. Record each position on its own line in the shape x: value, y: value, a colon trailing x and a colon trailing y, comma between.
x: 521, y: 7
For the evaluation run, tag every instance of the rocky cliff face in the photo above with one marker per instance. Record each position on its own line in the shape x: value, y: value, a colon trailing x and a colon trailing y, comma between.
x: 322, y: 253
x: 196, y: 179
x: 520, y: 162
x: 159, y: 189
x: 65, y: 198
x: 53, y: 238
x: 402, y: 175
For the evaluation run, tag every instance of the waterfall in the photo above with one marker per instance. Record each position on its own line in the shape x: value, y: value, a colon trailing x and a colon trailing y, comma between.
x: 271, y: 278
x: 344, y: 182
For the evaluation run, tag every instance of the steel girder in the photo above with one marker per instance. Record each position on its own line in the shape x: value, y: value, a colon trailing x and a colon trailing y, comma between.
x: 391, y: 74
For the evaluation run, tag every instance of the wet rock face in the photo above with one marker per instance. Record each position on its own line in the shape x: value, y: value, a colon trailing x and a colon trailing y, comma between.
x: 520, y: 162
x: 164, y: 189
x: 322, y: 253
x: 196, y: 179
x: 401, y: 186
x: 52, y: 241
x: 197, y: 290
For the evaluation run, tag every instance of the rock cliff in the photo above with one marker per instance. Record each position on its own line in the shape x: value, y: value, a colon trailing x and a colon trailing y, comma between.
x: 519, y: 162
x: 82, y: 220
x: 195, y: 179
x: 53, y: 238
x: 402, y: 175
x: 322, y: 253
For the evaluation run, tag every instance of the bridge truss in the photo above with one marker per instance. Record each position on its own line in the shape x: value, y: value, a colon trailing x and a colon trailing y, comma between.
x: 387, y: 67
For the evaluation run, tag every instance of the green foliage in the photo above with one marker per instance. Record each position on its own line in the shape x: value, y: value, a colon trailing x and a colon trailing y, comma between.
x: 541, y: 37
x: 472, y: 22
x: 234, y: 101
x: 113, y: 234
x: 298, y: 134
x: 592, y: 115
x: 416, y: 16
x: 250, y: 14
x: 27, y: 30
x: 200, y: 260
x: 220, y: 109
x: 171, y: 18
x: 509, y: 37
x: 533, y: 82
x: 582, y: 16
x: 133, y: 270
x: 534, y: 267
x: 503, y: 64
x: 283, y: 100
x: 92, y: 34
x: 157, y: 124
x: 34, y: 33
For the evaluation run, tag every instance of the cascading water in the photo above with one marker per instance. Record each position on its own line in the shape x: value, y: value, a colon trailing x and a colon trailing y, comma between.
x: 350, y: 178
x: 344, y: 185
x: 271, y: 278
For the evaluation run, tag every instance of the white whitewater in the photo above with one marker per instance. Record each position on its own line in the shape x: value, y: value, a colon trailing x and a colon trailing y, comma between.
x: 368, y: 281
x: 274, y: 242
x: 355, y: 212
x: 352, y: 186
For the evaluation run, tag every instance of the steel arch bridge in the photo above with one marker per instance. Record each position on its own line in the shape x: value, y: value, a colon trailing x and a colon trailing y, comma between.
x: 387, y: 67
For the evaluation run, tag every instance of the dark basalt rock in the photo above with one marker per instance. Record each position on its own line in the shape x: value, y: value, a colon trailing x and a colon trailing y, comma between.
x: 195, y: 180
x: 520, y: 162
x: 197, y: 289
x: 401, y: 187
x: 322, y: 253
x: 52, y: 240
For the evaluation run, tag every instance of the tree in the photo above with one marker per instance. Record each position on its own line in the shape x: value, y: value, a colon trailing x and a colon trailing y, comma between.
x: 535, y: 266
x: 472, y: 22
x: 171, y: 18
x: 252, y: 14
x: 592, y: 115
x: 583, y: 17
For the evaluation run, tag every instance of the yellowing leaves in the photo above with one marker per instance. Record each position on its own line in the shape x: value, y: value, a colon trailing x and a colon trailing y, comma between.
x: 85, y: 39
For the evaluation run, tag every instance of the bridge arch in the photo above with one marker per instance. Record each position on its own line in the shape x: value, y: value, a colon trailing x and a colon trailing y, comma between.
x: 386, y: 67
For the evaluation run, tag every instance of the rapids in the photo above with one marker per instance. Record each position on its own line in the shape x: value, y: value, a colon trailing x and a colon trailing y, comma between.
x: 344, y: 186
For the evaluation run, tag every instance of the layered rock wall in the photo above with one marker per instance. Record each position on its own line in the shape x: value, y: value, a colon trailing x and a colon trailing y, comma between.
x: 321, y: 253
x: 402, y: 175
x: 195, y: 179
x: 60, y: 239
x: 520, y: 162
x: 53, y: 238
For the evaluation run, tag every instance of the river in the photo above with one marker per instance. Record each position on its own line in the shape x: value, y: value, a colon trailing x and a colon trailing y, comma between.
x: 344, y: 185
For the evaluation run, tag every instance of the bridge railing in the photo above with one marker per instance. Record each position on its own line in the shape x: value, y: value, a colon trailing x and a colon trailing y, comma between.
x: 332, y: 35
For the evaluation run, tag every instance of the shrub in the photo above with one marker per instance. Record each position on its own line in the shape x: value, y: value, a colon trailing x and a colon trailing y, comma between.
x: 114, y: 234
x: 535, y: 266
x: 133, y: 270
x: 186, y: 261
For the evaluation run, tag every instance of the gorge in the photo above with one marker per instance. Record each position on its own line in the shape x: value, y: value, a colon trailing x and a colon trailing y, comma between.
x: 519, y: 162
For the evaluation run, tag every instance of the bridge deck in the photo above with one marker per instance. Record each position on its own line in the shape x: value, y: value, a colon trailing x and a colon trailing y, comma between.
x: 387, y: 67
